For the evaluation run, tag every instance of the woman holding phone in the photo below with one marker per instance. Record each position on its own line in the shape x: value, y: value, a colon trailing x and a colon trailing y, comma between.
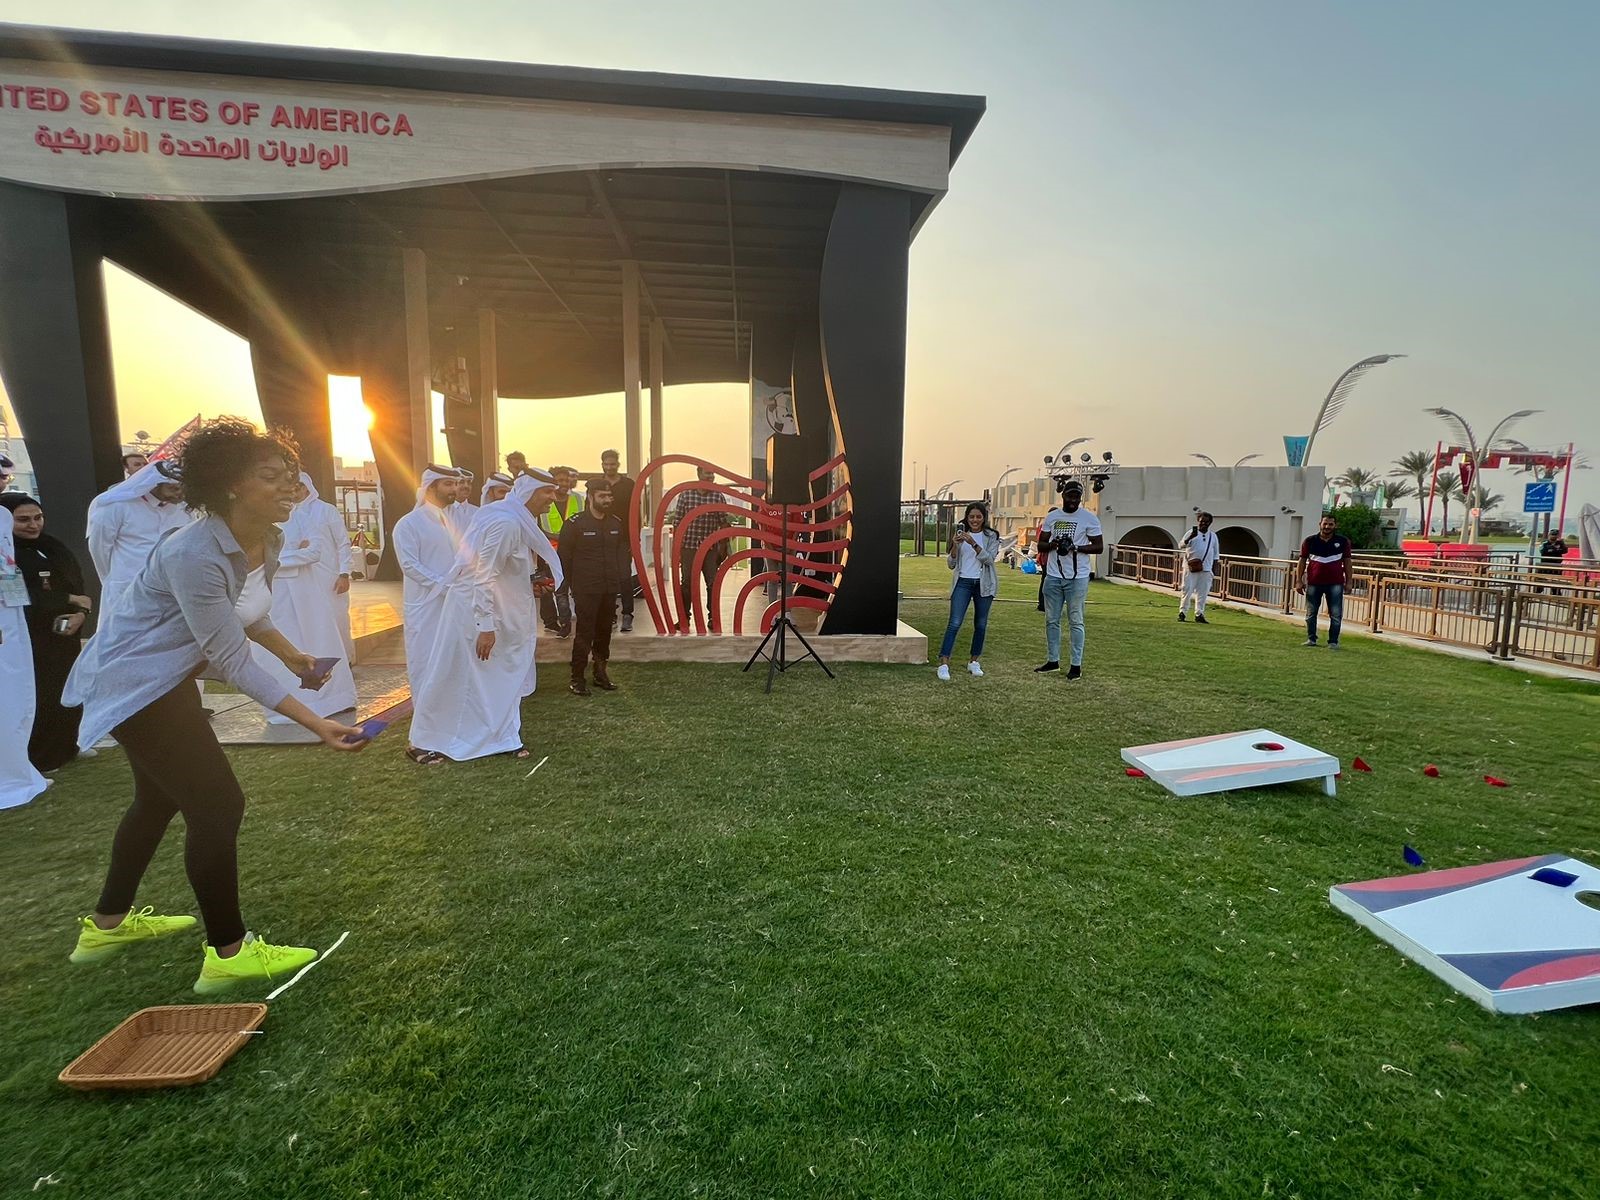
x: 196, y: 607
x: 973, y: 550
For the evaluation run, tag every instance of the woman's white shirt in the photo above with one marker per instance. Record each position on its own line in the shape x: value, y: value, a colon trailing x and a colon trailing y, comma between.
x: 967, y: 564
x: 255, y: 601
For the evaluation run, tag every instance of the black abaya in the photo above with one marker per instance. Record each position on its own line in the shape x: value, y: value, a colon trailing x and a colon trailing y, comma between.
x: 52, y: 574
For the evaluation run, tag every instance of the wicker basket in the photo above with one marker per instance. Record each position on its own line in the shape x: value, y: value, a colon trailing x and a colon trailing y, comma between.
x: 175, y: 1045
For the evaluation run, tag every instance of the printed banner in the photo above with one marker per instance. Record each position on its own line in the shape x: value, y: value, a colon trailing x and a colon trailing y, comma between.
x: 1295, y: 448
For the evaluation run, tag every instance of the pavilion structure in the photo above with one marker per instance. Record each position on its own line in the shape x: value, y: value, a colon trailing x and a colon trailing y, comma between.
x: 477, y: 228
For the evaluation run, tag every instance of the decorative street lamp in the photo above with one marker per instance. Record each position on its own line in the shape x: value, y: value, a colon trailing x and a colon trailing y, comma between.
x: 1334, y: 400
x: 1476, y: 454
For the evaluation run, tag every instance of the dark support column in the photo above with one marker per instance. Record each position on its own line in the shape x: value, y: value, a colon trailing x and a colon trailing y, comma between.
x: 812, y: 414
x: 379, y: 356
x: 863, y: 315
x: 55, y: 354
x: 292, y: 385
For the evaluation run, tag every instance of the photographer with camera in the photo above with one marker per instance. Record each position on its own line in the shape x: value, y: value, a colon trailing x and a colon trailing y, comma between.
x: 1073, y: 536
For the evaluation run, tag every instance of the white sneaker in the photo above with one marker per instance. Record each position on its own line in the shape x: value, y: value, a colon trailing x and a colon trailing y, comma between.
x: 975, y: 669
x: 944, y: 672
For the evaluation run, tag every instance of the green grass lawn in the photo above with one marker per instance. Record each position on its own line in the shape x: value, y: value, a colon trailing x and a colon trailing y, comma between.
x: 875, y: 937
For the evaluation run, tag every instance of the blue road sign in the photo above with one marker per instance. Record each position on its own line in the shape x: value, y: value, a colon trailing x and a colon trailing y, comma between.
x: 1539, y: 497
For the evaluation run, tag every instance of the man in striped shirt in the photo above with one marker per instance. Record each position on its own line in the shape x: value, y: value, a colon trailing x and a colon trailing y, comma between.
x: 1324, y: 571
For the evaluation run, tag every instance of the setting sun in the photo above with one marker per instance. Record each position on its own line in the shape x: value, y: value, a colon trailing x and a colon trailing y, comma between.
x: 352, y: 420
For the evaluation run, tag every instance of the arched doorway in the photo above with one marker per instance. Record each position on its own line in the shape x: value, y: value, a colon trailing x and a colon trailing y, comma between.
x: 1151, y: 536
x: 1235, y: 541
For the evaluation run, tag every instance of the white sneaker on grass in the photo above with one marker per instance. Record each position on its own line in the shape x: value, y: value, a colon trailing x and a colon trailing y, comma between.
x: 944, y: 672
x: 975, y: 669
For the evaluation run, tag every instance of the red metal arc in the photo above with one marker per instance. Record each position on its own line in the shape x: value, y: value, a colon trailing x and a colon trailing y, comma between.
x: 745, y: 498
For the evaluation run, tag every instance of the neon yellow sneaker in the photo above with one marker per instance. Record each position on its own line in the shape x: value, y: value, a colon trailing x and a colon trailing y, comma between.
x: 256, y: 962
x: 140, y: 925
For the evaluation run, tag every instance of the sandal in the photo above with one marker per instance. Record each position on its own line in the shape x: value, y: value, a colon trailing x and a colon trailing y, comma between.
x: 519, y: 752
x: 424, y: 758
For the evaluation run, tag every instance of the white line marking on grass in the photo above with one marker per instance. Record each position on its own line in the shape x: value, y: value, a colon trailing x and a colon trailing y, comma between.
x: 323, y: 957
x: 536, y: 766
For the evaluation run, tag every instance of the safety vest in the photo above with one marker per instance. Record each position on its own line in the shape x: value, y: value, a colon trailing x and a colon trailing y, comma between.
x: 555, y: 518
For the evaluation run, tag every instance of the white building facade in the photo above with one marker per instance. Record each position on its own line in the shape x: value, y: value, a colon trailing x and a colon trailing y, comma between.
x: 1258, y: 511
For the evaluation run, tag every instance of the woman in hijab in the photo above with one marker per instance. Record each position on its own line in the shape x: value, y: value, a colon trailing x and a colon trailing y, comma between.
x: 57, y: 607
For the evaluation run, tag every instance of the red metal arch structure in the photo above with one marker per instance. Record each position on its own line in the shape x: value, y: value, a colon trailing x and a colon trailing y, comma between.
x: 818, y: 534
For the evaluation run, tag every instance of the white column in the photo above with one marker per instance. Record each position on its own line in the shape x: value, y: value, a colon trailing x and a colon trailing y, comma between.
x: 630, y: 366
x: 419, y: 363
x: 658, y: 335
x: 489, y: 386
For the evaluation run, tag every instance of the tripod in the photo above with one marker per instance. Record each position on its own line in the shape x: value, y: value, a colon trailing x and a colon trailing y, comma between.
x: 778, y: 636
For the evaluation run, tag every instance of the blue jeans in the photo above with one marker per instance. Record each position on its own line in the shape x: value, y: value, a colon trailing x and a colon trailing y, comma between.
x: 1314, y: 596
x: 966, y: 593
x: 1068, y: 593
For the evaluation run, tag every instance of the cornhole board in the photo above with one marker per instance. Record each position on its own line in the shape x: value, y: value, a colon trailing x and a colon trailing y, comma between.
x: 1493, y: 932
x: 1224, y: 762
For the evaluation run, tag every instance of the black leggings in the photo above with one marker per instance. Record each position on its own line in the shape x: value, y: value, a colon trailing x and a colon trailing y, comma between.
x: 178, y: 767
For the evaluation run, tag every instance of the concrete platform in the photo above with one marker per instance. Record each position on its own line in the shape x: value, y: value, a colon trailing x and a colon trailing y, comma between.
x: 375, y: 624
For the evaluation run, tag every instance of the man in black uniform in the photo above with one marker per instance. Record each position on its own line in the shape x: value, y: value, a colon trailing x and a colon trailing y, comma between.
x: 622, y: 491
x: 594, y: 554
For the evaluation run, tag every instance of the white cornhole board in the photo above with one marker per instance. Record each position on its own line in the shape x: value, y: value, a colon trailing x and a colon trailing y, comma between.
x: 1492, y: 932
x: 1225, y: 762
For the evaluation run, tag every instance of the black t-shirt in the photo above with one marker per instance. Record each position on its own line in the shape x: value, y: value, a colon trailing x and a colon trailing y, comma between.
x: 1552, y: 550
x: 622, y: 496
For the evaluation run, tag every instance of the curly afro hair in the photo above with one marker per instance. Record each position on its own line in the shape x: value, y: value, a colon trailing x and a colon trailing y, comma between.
x: 221, y: 452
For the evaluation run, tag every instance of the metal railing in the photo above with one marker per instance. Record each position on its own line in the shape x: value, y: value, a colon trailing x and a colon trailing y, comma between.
x: 1507, y: 610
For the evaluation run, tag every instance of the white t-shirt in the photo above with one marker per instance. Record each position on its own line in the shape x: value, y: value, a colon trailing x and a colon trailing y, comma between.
x: 967, y: 564
x: 1204, y: 547
x: 1074, y: 528
x: 255, y: 598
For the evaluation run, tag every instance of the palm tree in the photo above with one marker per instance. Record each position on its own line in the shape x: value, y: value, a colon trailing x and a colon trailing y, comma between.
x: 1488, y: 501
x: 1357, y: 479
x: 1415, y: 465
x: 1447, y: 485
x: 1397, y: 489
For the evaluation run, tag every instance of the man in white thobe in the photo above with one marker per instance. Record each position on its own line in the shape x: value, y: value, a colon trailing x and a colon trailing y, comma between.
x: 1198, y: 550
x: 425, y: 547
x: 19, y: 781
x: 304, y: 606
x: 469, y: 702
x: 463, y: 511
x: 127, y: 520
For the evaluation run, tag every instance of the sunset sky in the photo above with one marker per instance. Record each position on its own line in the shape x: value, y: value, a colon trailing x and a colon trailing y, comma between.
x: 1176, y: 225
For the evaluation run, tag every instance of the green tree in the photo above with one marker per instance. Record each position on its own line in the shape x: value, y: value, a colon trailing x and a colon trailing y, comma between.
x: 1415, y: 465
x: 1360, y: 524
x: 1489, y: 501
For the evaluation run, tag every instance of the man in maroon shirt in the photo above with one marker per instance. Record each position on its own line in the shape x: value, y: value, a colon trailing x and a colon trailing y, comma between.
x: 1324, y: 570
